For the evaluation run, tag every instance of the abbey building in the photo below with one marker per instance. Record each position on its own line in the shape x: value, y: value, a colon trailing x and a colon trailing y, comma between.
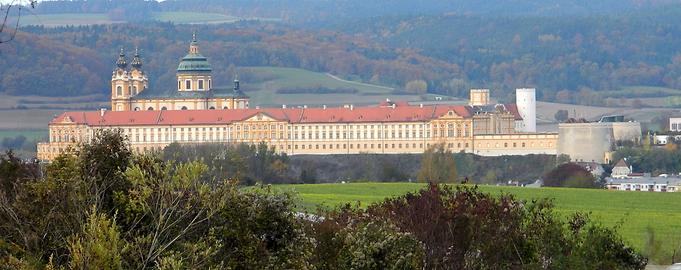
x: 197, y: 112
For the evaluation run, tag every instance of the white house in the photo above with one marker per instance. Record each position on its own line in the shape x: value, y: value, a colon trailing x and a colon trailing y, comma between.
x: 621, y: 169
x: 652, y: 184
x: 675, y: 124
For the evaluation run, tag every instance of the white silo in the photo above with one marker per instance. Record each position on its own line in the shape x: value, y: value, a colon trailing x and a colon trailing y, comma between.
x: 525, y: 99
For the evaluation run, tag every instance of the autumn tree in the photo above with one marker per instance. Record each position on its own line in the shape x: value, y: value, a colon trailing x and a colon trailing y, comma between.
x: 416, y: 86
x: 437, y: 165
x: 569, y: 175
x: 561, y: 115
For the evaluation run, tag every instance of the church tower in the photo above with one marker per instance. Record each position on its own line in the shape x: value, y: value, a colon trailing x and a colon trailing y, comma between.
x: 138, y: 79
x: 194, y: 70
x: 120, y: 85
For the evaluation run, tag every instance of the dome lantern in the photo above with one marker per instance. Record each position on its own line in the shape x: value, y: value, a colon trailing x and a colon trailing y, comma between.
x: 194, y: 62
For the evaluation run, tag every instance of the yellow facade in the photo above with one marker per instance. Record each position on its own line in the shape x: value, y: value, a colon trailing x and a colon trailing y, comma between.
x: 454, y: 132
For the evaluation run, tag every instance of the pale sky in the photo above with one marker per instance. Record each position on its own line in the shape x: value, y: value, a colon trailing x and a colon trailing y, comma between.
x: 27, y: 1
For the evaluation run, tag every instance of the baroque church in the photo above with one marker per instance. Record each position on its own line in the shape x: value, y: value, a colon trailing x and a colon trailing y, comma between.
x: 196, y: 112
x: 195, y: 91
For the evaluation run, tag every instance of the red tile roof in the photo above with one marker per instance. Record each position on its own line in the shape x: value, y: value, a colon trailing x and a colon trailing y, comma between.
x: 403, y: 113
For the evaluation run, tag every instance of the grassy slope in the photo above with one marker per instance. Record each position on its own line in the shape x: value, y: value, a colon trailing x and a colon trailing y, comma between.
x: 30, y: 134
x: 633, y: 211
x: 292, y: 77
x: 54, y: 20
x: 194, y: 17
x: 641, y: 91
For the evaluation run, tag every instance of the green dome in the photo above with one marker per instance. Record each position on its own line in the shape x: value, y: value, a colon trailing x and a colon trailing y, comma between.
x: 194, y: 62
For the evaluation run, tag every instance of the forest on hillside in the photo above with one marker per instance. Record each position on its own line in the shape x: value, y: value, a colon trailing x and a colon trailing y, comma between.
x: 578, y: 57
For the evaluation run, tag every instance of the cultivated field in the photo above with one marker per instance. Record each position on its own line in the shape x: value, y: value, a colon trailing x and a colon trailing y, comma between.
x: 56, y: 20
x: 265, y: 92
x: 632, y: 212
x: 30, y: 134
x: 193, y: 17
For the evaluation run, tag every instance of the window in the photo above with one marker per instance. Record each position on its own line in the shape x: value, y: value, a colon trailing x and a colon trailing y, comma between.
x: 164, y: 108
x: 179, y: 85
x: 200, y: 84
x: 119, y: 90
x: 134, y: 90
x: 184, y: 108
x: 187, y: 85
x: 150, y: 109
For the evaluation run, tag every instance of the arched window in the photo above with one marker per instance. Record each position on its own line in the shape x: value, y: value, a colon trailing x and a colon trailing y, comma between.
x: 137, y: 108
x: 129, y: 89
x: 211, y: 108
x: 119, y: 90
x: 164, y: 108
x: 150, y: 109
x: 134, y: 90
x: 120, y: 107
x: 224, y: 108
x: 184, y: 108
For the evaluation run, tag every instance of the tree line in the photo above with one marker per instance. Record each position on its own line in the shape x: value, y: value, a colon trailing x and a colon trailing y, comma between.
x: 259, y: 164
x: 103, y: 207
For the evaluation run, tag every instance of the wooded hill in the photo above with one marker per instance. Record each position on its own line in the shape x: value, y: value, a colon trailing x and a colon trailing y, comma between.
x: 582, y: 58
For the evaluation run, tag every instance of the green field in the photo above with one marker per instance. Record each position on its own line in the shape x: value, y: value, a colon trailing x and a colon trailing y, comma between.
x: 63, y: 19
x: 641, y: 91
x: 30, y: 134
x: 55, y: 20
x: 633, y: 211
x: 193, y: 17
x: 278, y: 78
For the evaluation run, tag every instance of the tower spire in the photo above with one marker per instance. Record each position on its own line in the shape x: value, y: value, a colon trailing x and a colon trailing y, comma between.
x: 136, y: 60
x: 121, y: 62
x: 236, y: 82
